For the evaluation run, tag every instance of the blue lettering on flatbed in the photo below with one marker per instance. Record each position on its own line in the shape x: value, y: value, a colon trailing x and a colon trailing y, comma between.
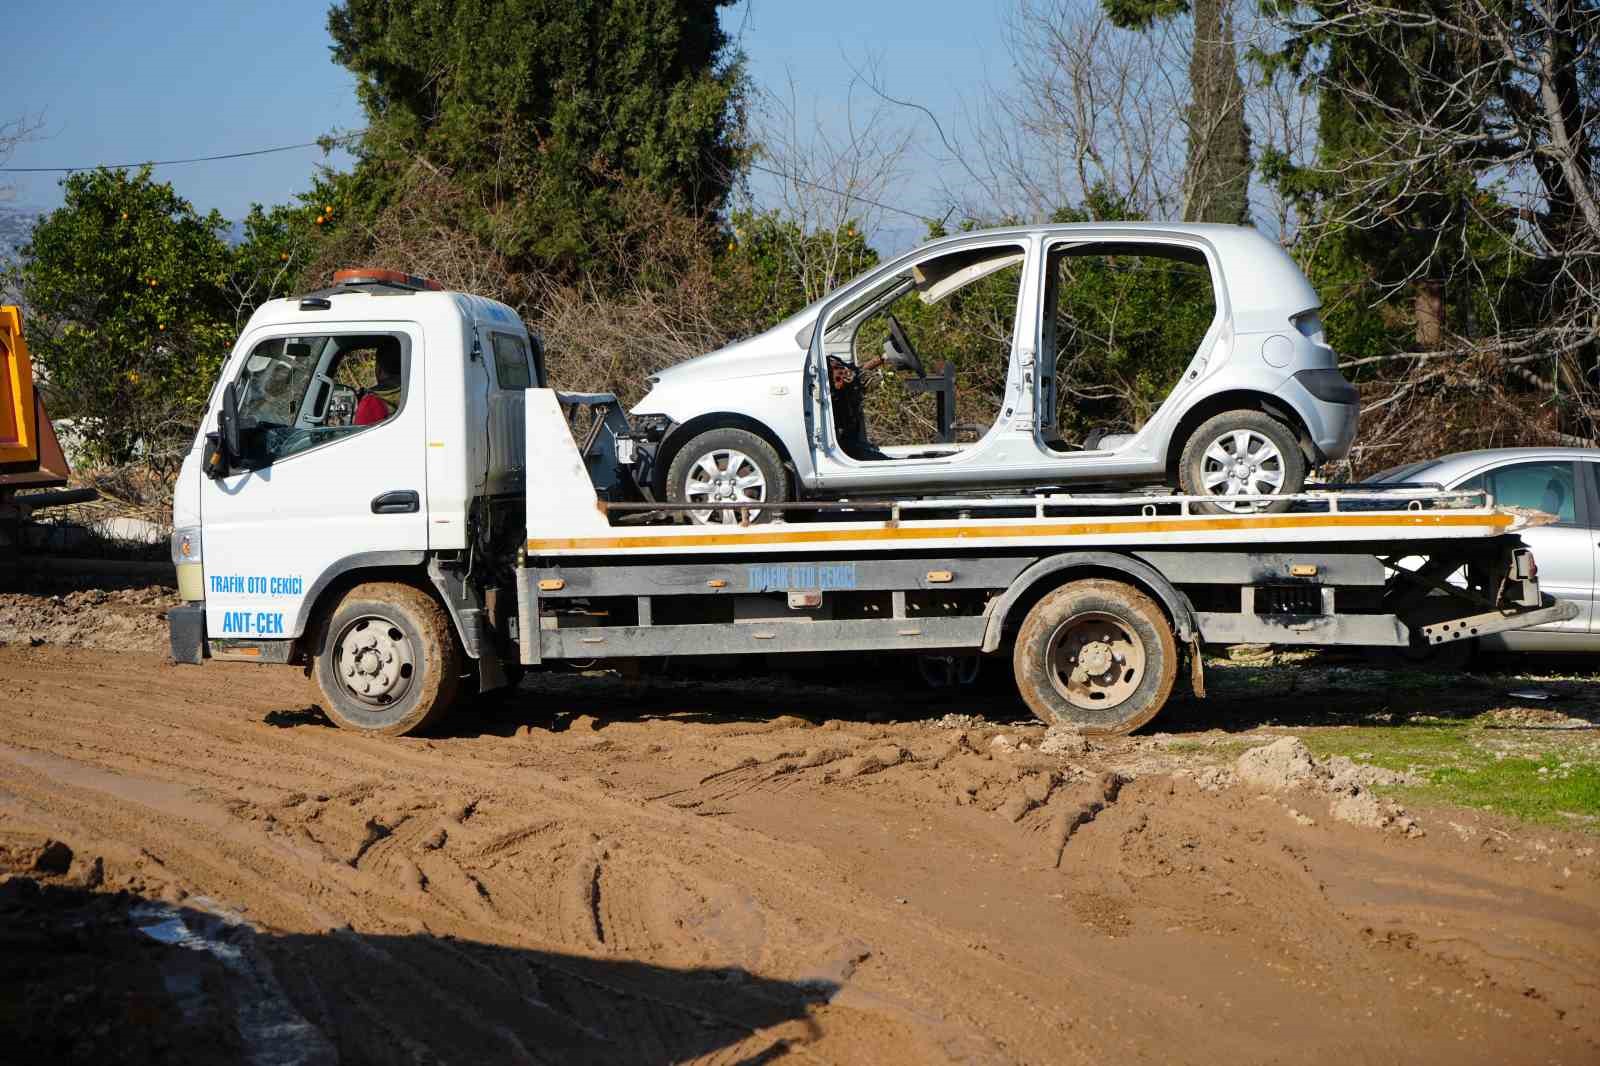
x: 781, y: 577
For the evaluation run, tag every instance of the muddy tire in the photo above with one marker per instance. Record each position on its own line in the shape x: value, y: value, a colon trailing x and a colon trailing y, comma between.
x: 1096, y: 654
x: 727, y: 466
x: 386, y: 660
x: 1241, y: 452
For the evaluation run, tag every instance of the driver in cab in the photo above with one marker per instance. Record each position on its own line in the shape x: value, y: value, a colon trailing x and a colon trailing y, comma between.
x: 380, y: 402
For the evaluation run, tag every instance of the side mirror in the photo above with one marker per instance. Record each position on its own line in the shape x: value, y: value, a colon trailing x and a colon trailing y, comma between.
x: 228, y: 422
x: 222, y: 447
x: 214, y: 463
x: 897, y: 359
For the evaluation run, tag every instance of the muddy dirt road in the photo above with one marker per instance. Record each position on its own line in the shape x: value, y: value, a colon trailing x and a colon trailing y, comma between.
x: 660, y: 872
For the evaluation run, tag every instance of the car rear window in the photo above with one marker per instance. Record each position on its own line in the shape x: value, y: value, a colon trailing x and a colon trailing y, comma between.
x: 1395, y: 473
x: 510, y: 361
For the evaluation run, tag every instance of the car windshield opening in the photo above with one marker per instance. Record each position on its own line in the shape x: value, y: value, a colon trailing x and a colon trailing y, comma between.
x: 917, y: 365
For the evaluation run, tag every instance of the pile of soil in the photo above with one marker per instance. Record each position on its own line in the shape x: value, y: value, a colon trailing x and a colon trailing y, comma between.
x: 125, y: 619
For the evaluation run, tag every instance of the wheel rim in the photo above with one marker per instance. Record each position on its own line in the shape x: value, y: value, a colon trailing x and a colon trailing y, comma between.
x: 1095, y: 661
x: 377, y: 663
x: 1242, y: 462
x: 724, y: 475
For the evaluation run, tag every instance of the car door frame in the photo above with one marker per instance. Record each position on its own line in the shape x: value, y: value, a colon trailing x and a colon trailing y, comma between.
x: 833, y: 469
x: 1147, y: 446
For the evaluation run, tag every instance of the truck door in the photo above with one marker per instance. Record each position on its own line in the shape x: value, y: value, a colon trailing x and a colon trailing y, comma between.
x: 333, y: 436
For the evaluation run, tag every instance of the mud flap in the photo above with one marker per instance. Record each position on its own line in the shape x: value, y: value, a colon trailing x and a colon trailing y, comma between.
x: 186, y: 631
x: 1197, y: 667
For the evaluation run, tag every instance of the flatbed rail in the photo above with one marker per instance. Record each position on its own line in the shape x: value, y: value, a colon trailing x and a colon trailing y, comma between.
x: 1043, y: 504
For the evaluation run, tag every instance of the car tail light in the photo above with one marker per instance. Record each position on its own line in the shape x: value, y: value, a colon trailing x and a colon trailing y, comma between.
x: 1524, y: 567
x: 1309, y: 323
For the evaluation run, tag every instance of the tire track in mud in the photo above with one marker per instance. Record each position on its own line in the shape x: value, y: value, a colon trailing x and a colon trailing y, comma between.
x: 911, y: 874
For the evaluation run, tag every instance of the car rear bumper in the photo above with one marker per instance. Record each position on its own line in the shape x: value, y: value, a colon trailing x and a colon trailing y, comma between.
x: 1331, y: 423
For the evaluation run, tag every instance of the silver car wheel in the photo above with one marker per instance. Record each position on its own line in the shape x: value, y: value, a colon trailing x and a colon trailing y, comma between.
x: 724, y: 475
x: 1242, y: 462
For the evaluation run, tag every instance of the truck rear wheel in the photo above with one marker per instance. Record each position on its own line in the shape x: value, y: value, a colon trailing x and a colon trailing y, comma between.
x: 387, y: 661
x: 1096, y: 654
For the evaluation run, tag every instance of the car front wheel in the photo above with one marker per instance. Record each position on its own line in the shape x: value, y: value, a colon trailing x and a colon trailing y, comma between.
x: 1240, y: 454
x: 727, y: 466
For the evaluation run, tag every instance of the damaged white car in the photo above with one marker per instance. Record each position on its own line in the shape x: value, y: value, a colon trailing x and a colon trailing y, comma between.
x: 790, y: 414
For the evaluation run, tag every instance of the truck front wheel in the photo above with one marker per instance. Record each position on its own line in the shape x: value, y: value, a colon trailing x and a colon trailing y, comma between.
x: 387, y: 661
x: 1096, y: 654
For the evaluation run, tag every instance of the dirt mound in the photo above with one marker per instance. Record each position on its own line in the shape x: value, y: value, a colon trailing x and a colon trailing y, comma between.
x: 131, y: 619
x: 1287, y: 763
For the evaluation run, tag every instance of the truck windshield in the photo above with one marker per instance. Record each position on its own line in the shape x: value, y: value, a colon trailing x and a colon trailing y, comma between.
x: 296, y: 393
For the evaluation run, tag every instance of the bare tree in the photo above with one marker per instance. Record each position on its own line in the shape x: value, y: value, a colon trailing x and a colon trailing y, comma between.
x: 15, y: 132
x: 1089, y: 108
x: 830, y: 177
x: 1483, y: 162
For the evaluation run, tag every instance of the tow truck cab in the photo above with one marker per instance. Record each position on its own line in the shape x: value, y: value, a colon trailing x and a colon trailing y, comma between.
x: 370, y: 429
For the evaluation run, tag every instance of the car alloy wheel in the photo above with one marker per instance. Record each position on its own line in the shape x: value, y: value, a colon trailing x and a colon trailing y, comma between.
x: 724, y: 476
x: 1243, y: 462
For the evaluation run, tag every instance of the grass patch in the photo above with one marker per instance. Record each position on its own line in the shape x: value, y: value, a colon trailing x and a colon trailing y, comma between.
x: 1538, y: 790
x: 1423, y: 745
x: 1539, y: 779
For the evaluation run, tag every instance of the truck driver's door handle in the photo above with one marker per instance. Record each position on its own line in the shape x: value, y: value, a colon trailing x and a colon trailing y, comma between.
x: 401, y: 501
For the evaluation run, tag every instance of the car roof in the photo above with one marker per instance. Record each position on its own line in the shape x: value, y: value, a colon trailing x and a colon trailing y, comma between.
x: 1259, y: 282
x: 1458, y: 464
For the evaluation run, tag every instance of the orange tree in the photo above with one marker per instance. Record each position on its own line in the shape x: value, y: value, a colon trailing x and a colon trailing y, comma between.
x: 128, y: 317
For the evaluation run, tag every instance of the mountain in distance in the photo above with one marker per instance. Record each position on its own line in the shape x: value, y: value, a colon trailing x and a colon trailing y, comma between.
x: 16, y: 226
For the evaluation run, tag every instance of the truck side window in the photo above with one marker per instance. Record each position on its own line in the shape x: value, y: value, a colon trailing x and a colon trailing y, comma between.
x: 510, y: 361
x: 297, y: 393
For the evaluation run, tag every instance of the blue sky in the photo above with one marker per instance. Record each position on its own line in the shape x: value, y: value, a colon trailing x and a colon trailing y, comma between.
x: 175, y: 78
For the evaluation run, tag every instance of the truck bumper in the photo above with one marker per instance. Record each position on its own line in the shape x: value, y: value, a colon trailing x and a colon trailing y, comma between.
x: 186, y: 629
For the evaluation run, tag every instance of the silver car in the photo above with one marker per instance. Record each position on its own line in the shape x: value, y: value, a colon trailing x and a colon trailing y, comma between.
x: 1564, y: 482
x: 774, y: 418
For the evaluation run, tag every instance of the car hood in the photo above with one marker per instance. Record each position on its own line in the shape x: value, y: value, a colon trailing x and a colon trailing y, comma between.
x: 773, y: 352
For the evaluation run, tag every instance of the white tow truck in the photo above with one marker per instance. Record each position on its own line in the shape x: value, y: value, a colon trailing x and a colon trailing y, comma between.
x: 386, y: 492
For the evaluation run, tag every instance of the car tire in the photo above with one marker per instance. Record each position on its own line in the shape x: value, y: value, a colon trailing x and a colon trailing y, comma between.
x: 727, y: 465
x: 386, y: 660
x: 1275, y: 465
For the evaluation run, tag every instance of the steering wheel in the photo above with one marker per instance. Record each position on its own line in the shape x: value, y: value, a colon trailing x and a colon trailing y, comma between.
x: 902, y: 347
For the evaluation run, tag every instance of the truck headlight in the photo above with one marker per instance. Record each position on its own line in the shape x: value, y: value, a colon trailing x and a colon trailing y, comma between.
x: 186, y: 560
x: 186, y: 545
